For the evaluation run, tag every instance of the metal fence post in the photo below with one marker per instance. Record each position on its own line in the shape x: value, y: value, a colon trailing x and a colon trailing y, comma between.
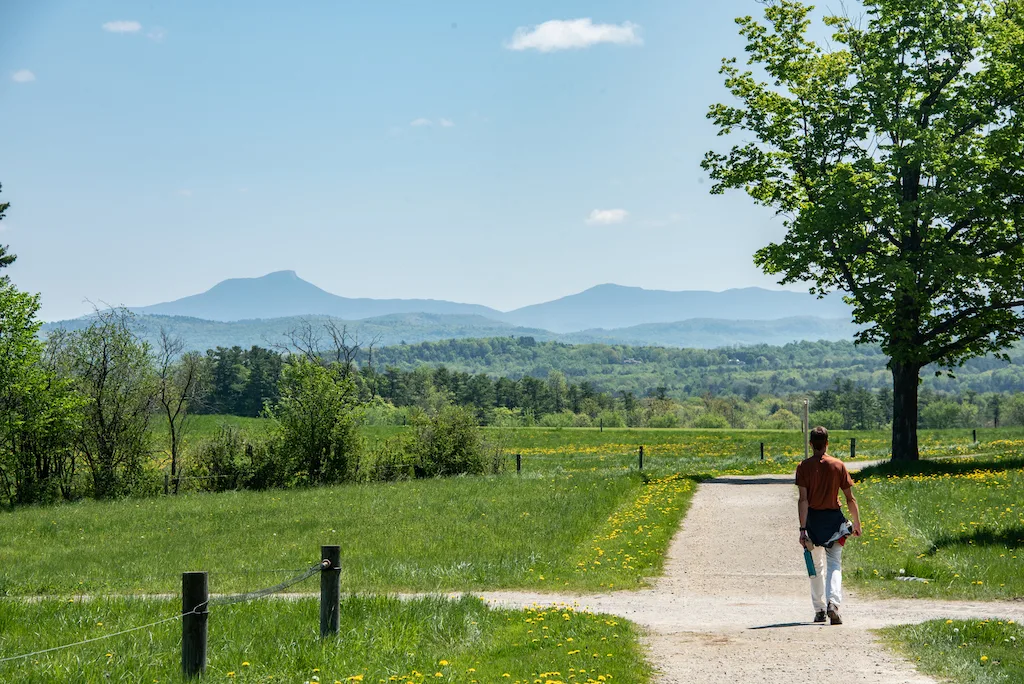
x: 195, y: 597
x: 641, y: 457
x: 330, y: 590
x: 519, y: 463
x: 853, y: 447
x: 762, y: 451
x: 974, y: 436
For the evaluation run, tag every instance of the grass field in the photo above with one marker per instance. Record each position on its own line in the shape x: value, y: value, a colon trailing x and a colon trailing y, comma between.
x: 958, y: 525
x: 444, y: 534
x: 978, y: 652
x: 381, y: 640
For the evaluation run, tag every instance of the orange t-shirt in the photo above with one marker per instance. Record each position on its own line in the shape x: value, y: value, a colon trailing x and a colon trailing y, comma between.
x: 823, y: 477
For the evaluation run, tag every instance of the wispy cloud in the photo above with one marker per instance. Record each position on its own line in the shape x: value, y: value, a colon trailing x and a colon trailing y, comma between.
x: 569, y: 34
x: 122, y: 26
x: 416, y: 123
x: 446, y: 123
x: 23, y: 76
x: 156, y: 34
x: 606, y: 217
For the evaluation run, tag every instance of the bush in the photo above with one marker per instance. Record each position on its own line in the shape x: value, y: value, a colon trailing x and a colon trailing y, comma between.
x: 582, y: 420
x: 233, y: 460
x: 448, y: 443
x: 663, y: 420
x: 317, y: 418
x: 831, y: 419
x: 710, y: 420
x: 562, y: 419
x: 387, y: 461
x: 611, y: 419
x: 782, y: 419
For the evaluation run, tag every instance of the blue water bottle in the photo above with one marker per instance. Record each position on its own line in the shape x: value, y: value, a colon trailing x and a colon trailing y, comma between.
x: 810, y: 563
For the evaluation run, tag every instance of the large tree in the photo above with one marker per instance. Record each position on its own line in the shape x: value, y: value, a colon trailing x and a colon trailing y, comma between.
x: 896, y: 157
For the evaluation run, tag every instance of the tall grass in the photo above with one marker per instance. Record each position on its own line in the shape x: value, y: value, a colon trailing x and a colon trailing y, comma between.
x: 441, y: 534
x: 957, y: 526
x: 381, y: 639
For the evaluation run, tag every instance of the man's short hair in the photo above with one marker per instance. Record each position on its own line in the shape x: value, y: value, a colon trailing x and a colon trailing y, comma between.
x: 819, y: 435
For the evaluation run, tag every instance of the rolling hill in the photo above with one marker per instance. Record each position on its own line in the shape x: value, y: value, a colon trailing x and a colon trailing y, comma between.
x: 284, y: 293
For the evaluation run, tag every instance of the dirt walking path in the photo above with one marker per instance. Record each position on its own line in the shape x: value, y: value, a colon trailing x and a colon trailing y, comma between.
x: 734, y: 603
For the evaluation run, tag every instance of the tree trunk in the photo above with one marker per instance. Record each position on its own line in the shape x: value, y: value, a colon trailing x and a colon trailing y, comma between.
x: 905, y: 378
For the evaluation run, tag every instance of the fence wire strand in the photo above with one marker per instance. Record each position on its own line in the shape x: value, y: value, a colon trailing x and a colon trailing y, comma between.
x: 198, y: 610
x: 260, y: 593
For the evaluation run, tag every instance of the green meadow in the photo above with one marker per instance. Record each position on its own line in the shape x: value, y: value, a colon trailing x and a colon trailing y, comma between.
x: 956, y: 526
x: 381, y: 639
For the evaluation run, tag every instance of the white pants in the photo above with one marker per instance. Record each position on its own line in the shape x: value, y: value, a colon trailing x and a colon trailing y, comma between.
x: 827, y: 585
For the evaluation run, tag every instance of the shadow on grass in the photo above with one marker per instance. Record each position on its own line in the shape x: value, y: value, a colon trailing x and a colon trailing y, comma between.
x: 953, y: 466
x: 751, y: 480
x: 1011, y: 537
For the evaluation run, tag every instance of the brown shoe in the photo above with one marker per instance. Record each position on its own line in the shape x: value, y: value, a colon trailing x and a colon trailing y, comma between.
x: 819, y: 616
x: 833, y: 615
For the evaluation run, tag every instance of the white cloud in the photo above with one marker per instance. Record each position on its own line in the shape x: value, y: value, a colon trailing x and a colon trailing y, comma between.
x: 606, y: 217
x: 122, y: 26
x: 421, y: 122
x: 446, y: 123
x: 559, y: 34
x: 23, y: 76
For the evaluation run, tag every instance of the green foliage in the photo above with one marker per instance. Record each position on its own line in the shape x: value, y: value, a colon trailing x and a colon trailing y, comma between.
x: 38, y: 409
x: 239, y: 460
x: 112, y: 370
x: 317, y: 415
x: 5, y: 258
x: 896, y: 157
x: 448, y: 443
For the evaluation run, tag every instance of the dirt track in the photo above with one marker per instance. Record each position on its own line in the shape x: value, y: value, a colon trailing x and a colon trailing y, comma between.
x: 734, y: 604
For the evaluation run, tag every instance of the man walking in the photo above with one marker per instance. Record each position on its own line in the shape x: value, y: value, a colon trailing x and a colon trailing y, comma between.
x: 823, y: 528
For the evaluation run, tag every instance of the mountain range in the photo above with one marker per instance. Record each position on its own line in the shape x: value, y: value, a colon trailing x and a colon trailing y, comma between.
x: 284, y: 293
x: 248, y: 311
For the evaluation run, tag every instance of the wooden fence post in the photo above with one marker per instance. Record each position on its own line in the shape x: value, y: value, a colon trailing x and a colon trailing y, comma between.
x: 602, y: 425
x: 330, y: 590
x: 195, y: 596
x: 762, y: 451
x: 519, y: 464
x: 853, y: 447
x: 641, y: 457
x: 974, y: 436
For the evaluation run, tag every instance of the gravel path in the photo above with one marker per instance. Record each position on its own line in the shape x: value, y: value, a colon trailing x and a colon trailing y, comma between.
x: 734, y: 603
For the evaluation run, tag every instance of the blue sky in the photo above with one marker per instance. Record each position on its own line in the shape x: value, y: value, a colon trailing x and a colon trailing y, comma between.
x: 459, y: 150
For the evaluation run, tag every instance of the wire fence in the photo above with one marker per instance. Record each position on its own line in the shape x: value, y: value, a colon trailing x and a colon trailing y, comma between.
x: 200, y: 609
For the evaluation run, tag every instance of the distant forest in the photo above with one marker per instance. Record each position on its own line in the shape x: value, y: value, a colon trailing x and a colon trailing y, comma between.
x: 741, y: 371
x: 522, y: 381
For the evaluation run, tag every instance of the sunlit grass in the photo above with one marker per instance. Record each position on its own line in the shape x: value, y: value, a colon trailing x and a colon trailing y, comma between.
x: 966, y: 652
x: 381, y: 639
x: 958, y: 526
x: 440, y: 534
